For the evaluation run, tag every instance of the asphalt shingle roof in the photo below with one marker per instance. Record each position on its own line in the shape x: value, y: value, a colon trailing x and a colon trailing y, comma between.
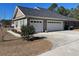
x: 41, y: 12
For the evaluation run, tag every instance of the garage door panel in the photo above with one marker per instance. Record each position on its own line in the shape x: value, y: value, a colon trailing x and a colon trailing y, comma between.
x: 38, y: 25
x: 54, y: 25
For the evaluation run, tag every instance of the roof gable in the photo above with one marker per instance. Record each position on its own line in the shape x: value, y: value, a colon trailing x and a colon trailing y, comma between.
x: 18, y: 13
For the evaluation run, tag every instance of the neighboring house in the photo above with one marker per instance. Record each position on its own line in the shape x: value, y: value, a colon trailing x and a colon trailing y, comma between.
x: 42, y: 19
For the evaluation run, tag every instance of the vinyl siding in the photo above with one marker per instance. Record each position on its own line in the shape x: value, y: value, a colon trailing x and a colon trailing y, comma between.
x: 19, y: 23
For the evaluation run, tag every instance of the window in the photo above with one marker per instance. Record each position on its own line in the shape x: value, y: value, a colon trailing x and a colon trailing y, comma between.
x: 16, y: 22
x: 40, y: 21
x: 50, y: 21
x: 37, y: 21
x: 54, y: 22
x: 21, y: 22
x: 31, y: 21
x: 34, y: 21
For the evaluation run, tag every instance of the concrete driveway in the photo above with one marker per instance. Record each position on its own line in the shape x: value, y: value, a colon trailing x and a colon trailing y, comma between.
x: 65, y: 43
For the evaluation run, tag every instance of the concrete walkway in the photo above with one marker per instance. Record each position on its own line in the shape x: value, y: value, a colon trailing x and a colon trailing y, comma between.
x: 71, y: 49
x: 64, y: 43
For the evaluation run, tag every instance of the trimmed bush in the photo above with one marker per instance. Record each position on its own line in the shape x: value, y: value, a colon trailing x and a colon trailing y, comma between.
x: 27, y: 32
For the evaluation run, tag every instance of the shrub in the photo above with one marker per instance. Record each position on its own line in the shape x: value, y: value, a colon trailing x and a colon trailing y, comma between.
x: 66, y: 27
x: 27, y: 32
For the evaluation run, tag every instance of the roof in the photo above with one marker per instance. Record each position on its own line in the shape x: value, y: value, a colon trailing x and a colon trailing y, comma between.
x: 42, y: 12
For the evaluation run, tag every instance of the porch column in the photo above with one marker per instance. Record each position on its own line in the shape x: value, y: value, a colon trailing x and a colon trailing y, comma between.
x: 28, y: 21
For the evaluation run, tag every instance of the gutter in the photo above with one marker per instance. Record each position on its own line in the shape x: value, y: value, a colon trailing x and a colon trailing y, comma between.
x: 57, y: 19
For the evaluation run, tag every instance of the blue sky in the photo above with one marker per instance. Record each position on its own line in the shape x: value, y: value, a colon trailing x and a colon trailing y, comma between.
x: 7, y: 9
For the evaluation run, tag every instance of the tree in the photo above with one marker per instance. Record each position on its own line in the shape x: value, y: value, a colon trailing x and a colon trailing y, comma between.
x: 27, y: 32
x: 52, y: 7
x: 71, y: 12
x: 74, y: 12
x: 6, y: 22
x: 61, y: 10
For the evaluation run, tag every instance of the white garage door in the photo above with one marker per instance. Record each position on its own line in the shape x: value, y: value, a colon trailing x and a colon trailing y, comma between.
x: 38, y: 25
x: 54, y: 25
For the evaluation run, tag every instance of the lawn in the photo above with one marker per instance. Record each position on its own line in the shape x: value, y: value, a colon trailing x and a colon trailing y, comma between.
x: 13, y: 46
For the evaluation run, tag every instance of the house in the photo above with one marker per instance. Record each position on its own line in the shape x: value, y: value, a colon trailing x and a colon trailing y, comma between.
x: 42, y: 19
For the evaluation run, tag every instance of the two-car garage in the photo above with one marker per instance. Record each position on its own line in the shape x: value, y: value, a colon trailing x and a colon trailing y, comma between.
x: 51, y: 25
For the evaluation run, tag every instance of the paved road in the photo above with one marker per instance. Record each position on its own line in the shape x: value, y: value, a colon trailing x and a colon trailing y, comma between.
x: 64, y: 43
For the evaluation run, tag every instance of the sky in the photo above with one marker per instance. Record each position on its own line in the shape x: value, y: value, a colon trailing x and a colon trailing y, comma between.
x: 7, y: 9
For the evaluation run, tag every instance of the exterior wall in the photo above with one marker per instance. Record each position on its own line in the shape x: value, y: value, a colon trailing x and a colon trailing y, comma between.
x: 42, y: 26
x: 19, y: 23
x: 25, y: 21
